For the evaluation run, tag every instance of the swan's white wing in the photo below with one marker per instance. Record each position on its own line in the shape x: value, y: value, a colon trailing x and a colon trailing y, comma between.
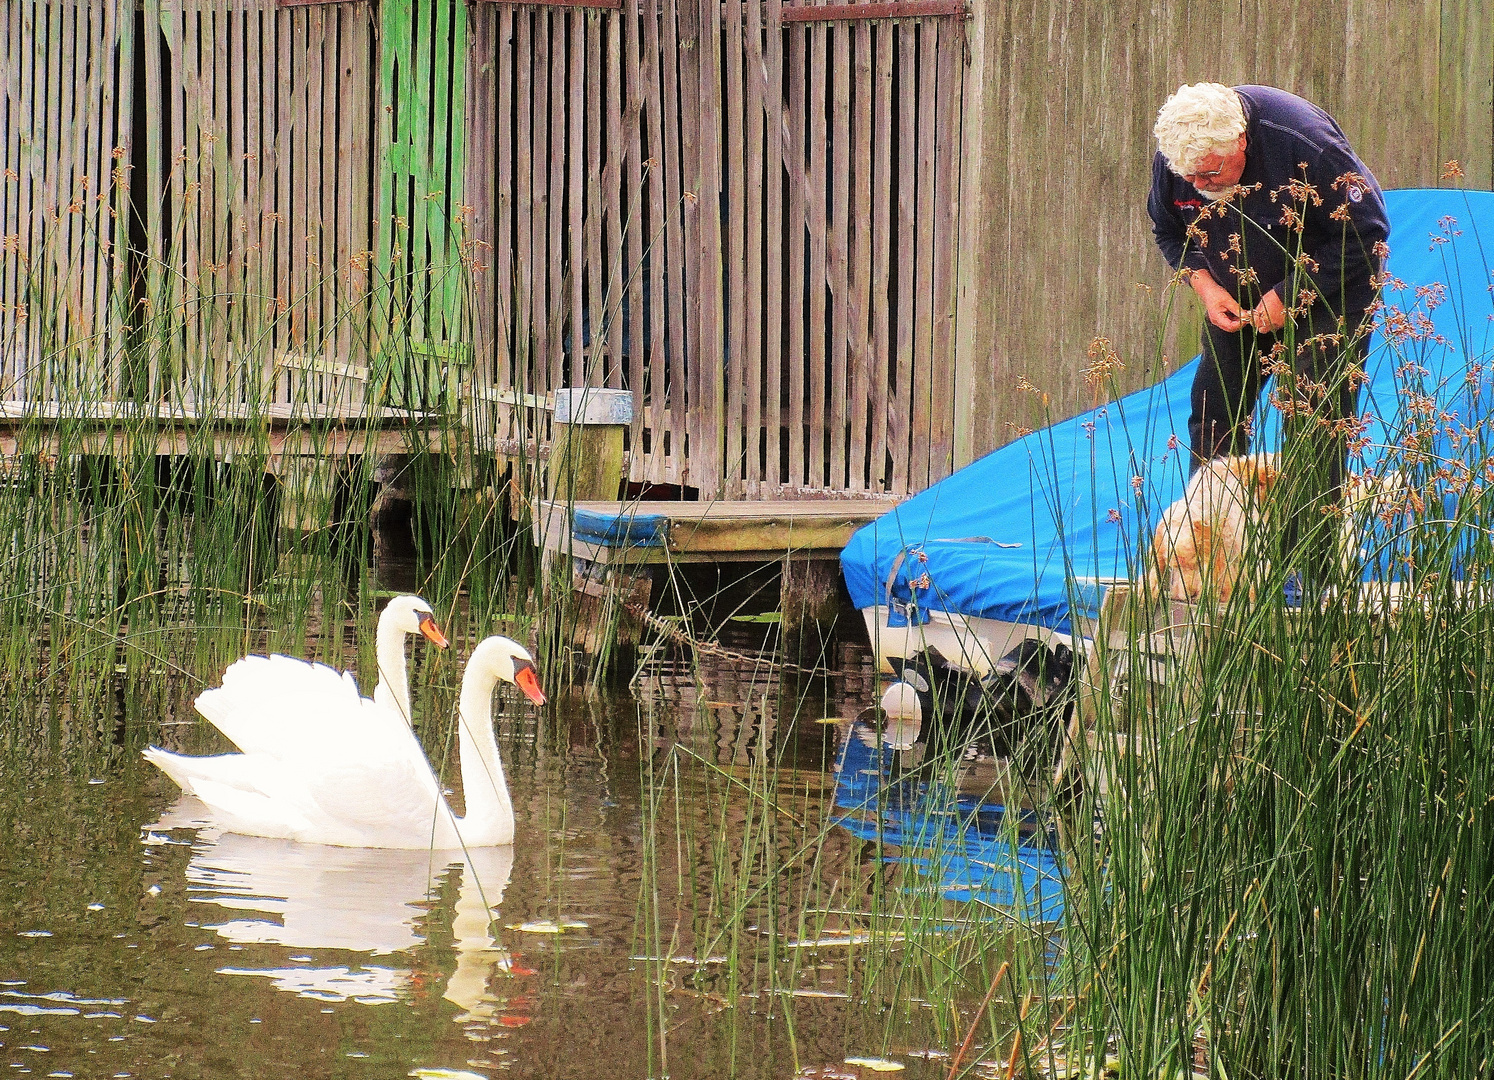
x: 278, y: 704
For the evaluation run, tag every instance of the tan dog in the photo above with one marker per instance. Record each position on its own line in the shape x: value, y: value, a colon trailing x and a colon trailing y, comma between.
x: 1200, y: 542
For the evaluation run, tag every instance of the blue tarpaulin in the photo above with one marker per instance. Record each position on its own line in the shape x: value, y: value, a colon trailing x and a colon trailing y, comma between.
x: 1009, y: 536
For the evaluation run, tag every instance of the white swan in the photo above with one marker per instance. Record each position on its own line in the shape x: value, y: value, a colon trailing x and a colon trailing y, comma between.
x: 402, y: 616
x: 330, y: 767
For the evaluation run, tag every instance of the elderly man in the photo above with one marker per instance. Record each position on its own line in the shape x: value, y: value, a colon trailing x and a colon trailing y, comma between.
x: 1260, y: 202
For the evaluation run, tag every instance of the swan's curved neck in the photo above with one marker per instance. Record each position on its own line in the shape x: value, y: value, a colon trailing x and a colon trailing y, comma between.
x: 393, y: 689
x: 484, y: 787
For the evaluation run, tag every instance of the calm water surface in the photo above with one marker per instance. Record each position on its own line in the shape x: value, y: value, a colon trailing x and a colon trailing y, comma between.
x: 138, y: 941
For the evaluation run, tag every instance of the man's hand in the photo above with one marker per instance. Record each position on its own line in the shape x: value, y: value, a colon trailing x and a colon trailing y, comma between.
x: 1221, y: 308
x: 1269, y: 315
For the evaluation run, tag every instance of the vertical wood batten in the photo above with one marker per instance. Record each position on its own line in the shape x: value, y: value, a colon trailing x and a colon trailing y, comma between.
x: 858, y: 307
x: 771, y: 74
x: 655, y: 243
x: 632, y: 336
x: 670, y: 449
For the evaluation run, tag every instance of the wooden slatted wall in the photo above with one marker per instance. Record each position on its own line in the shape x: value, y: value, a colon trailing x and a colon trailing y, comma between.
x: 256, y: 191
x: 65, y: 104
x: 720, y: 224
x: 586, y: 160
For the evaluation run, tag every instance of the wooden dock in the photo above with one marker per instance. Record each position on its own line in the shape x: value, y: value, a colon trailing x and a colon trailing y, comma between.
x: 277, y: 430
x: 653, y: 533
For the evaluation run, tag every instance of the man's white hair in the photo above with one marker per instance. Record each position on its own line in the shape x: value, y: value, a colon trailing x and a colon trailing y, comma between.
x: 1196, y: 121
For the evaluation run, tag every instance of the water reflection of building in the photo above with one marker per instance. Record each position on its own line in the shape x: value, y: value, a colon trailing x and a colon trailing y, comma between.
x: 372, y: 901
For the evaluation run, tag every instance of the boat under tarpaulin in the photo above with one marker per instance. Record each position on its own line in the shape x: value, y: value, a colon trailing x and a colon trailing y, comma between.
x: 1024, y: 541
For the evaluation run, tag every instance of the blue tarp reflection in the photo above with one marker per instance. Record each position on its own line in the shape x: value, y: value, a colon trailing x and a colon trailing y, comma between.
x: 966, y: 843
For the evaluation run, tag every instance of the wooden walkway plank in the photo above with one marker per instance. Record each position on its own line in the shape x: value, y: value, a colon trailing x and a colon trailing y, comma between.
x: 838, y: 243
x: 734, y: 253
x: 283, y: 167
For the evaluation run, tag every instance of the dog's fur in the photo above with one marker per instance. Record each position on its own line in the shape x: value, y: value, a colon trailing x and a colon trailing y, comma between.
x: 1200, y: 542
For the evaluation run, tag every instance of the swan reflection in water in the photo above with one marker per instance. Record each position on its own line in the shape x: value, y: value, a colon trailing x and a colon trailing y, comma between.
x: 363, y: 900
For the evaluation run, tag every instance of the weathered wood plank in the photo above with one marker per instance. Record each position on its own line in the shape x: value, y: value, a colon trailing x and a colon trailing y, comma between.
x: 818, y: 441
x: 556, y: 156
x: 670, y: 448
x: 691, y: 212
x: 900, y: 418
x: 505, y: 231
x: 751, y: 299
x: 655, y: 244
x: 923, y: 336
x: 709, y: 472
x: 523, y: 165
x: 881, y: 299
x: 838, y: 252
x: 798, y: 220
x: 539, y: 224
x: 951, y: 48
x: 635, y: 338
x: 772, y: 75
x: 610, y: 333
x: 576, y: 196
x: 899, y: 9
x: 594, y: 163
x: 859, y: 233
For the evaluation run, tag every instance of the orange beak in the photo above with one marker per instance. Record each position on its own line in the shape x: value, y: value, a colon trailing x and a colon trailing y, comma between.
x: 431, y: 631
x: 527, y: 680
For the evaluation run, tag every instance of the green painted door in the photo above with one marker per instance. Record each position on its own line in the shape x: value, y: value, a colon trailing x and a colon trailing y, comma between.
x: 423, y: 350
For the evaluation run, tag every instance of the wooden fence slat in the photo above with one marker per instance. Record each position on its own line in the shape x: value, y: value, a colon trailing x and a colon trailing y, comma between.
x: 655, y: 244
x: 672, y: 305
x: 575, y: 160
x: 798, y: 212
x: 557, y: 18
x: 633, y: 229
x: 737, y: 360
x: 523, y: 329
x: 707, y: 466
x: 504, y: 229
x: 542, y: 363
x: 752, y: 298
x: 599, y: 370
x: 225, y: 196
x: 12, y: 177
x: 610, y: 334
x: 838, y: 242
x: 772, y: 76
x: 923, y: 341
x: 816, y: 101
x: 691, y: 213
x: 900, y: 420
x: 946, y: 214
x: 859, y: 306
x: 881, y: 254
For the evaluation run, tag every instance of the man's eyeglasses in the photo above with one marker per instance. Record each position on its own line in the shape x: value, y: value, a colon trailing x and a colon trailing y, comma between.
x: 1201, y: 175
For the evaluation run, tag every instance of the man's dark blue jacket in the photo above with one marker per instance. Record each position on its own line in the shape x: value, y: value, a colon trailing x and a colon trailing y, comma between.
x: 1286, y: 138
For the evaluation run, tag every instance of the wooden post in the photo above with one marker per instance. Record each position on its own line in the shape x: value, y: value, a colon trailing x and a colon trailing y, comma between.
x: 586, y: 452
x: 811, y: 601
